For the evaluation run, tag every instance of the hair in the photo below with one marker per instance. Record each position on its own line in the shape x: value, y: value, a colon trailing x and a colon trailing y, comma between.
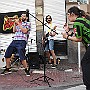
x: 48, y: 16
x: 88, y: 15
x: 77, y: 11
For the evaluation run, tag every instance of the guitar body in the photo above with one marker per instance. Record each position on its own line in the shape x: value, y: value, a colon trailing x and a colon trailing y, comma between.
x: 45, y: 41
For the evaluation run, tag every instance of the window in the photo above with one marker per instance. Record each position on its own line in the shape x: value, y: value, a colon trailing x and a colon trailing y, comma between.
x: 83, y: 1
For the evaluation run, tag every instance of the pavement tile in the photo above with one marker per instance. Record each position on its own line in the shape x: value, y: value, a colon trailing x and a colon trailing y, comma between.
x: 18, y: 79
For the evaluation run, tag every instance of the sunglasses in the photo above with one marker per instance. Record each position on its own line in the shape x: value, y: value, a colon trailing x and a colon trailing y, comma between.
x: 48, y: 18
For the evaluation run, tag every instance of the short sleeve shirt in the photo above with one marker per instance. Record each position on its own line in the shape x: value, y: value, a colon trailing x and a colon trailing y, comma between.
x: 82, y: 30
x: 19, y: 35
x: 46, y: 30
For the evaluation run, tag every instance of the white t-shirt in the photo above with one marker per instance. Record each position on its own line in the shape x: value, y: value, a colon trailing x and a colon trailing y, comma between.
x: 46, y: 30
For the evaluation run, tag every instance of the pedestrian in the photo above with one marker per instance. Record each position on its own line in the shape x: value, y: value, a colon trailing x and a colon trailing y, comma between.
x: 81, y: 27
x: 21, y: 29
x: 49, y: 39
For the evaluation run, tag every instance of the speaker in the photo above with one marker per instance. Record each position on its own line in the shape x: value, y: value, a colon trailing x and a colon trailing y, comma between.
x: 33, y: 60
x: 60, y: 47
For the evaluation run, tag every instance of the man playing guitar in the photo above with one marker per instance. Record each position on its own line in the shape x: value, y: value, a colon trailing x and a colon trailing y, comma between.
x: 49, y: 38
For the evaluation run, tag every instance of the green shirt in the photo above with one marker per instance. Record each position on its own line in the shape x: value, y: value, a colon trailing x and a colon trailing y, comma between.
x: 82, y: 30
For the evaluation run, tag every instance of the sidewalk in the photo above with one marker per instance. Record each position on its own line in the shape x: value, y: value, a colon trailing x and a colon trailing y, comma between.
x: 64, y: 75
x: 80, y: 87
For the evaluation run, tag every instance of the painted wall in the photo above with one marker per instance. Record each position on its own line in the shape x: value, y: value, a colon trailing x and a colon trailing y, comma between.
x: 15, y: 6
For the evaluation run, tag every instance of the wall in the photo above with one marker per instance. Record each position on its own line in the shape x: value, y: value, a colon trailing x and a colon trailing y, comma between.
x: 57, y: 10
x: 15, y: 6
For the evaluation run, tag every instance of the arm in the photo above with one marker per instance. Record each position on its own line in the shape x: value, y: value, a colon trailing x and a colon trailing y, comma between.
x: 24, y: 30
x: 69, y: 35
x: 74, y: 38
x: 53, y: 33
x: 14, y: 27
x: 66, y: 28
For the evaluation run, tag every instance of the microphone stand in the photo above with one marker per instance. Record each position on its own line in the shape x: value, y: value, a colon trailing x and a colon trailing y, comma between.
x: 46, y: 78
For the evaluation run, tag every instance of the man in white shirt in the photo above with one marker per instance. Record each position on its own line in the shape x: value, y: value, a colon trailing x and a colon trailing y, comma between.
x: 49, y: 36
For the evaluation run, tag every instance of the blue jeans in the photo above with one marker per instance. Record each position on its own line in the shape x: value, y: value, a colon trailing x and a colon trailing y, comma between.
x: 49, y: 45
x: 16, y: 46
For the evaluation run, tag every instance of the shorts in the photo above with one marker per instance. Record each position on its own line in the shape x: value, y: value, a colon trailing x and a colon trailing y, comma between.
x: 49, y: 45
x: 16, y: 46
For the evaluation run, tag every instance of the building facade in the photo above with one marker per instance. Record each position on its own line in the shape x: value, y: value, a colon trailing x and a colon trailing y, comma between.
x: 38, y: 9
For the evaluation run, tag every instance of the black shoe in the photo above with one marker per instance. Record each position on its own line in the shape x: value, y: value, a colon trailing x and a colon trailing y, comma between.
x: 27, y: 72
x: 6, y: 71
x: 54, y: 65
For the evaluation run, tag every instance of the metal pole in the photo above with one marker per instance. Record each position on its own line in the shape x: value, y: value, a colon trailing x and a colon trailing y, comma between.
x: 79, y: 56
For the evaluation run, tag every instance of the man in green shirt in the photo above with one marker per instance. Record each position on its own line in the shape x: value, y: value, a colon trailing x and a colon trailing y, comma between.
x: 81, y: 33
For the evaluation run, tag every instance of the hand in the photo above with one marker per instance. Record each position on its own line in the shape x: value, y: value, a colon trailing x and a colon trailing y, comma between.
x: 64, y: 35
x: 66, y: 28
x: 52, y: 34
x: 17, y: 21
x: 54, y: 27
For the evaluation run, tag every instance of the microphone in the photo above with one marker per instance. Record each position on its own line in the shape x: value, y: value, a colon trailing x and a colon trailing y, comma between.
x: 27, y: 14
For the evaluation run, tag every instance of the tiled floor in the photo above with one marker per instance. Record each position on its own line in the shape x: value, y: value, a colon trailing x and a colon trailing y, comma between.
x: 64, y: 74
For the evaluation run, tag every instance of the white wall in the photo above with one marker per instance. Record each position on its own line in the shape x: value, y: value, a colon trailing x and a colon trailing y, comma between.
x: 56, y: 8
x: 14, y: 6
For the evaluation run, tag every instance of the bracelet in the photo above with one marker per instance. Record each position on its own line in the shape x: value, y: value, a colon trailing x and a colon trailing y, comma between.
x: 71, y: 34
x: 68, y: 31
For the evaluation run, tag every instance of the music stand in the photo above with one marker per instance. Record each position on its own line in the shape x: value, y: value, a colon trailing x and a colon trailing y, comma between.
x: 46, y: 78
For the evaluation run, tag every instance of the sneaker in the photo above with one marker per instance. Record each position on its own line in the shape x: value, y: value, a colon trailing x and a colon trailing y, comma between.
x: 27, y: 72
x: 54, y: 66
x: 6, y: 71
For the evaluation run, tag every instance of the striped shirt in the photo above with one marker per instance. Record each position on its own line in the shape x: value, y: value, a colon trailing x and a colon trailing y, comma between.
x: 82, y: 30
x: 19, y: 35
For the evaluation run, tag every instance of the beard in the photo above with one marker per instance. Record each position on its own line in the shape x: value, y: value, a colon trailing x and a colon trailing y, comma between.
x: 48, y: 21
x: 23, y: 20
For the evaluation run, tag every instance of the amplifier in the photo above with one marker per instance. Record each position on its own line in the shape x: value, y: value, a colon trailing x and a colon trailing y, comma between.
x: 33, y: 60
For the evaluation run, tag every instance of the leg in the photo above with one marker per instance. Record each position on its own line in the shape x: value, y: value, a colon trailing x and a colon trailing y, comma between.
x: 22, y: 57
x: 24, y: 63
x: 86, y: 68
x: 21, y: 51
x: 8, y: 62
x: 51, y: 47
x: 54, y: 56
x: 47, y: 53
x: 48, y: 56
x: 26, y: 67
x: 8, y: 54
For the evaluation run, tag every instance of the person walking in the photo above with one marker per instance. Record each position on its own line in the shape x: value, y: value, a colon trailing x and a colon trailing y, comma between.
x: 81, y: 33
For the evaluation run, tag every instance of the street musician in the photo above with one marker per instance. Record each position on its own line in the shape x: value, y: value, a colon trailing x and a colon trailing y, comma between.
x: 49, y: 43
x: 21, y: 29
